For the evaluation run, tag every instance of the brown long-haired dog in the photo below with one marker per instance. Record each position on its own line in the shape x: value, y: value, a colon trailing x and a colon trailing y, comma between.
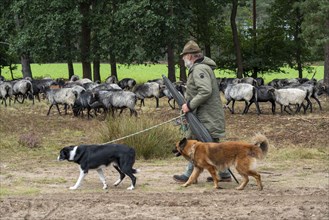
x: 219, y: 156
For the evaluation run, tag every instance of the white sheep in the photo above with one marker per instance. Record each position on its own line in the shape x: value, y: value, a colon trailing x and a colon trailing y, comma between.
x: 118, y: 99
x: 64, y: 96
x: 148, y: 90
x: 241, y: 92
x: 290, y: 96
x: 23, y: 88
x: 6, y: 91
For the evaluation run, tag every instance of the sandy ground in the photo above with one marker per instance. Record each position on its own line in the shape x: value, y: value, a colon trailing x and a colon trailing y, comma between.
x: 300, y: 192
x: 293, y: 189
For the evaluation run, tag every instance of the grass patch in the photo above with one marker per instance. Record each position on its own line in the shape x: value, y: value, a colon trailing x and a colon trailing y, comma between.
x: 6, y: 191
x: 294, y: 153
x: 142, y: 73
x: 154, y: 143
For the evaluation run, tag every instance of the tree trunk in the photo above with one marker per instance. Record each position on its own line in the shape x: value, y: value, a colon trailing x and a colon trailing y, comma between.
x: 26, y: 66
x: 236, y: 39
x: 207, y: 50
x: 85, y: 40
x: 326, y: 65
x: 96, y: 70
x: 113, y: 64
x: 182, y: 71
x: 298, y: 32
x: 171, y: 63
x: 68, y: 54
x: 254, y: 33
x: 70, y: 68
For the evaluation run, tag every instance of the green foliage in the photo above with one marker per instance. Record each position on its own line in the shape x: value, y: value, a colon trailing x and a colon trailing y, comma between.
x: 151, y: 144
x: 315, y: 24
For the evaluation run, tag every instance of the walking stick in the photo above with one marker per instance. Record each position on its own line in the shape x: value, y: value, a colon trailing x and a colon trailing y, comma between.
x: 197, y: 128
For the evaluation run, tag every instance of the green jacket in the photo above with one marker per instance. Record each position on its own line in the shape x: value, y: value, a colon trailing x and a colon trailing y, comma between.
x: 202, y: 95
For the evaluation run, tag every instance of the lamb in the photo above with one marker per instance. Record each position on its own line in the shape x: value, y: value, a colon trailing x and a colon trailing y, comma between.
x: 117, y: 99
x: 6, y: 91
x: 241, y: 92
x: 148, y: 90
x: 64, y: 96
x: 290, y: 96
x: 23, y: 88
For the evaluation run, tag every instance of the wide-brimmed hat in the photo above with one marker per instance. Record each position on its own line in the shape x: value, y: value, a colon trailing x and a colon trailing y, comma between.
x: 191, y: 47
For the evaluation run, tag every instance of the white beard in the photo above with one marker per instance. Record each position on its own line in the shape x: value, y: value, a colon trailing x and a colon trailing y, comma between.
x: 188, y: 64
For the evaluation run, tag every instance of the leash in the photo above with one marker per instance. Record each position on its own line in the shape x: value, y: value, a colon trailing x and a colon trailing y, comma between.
x: 142, y: 131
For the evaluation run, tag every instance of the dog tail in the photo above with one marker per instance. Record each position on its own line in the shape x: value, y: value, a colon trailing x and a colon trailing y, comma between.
x: 261, y: 141
x: 136, y: 170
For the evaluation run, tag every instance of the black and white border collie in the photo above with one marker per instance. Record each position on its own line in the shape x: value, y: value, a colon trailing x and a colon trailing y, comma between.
x: 122, y: 157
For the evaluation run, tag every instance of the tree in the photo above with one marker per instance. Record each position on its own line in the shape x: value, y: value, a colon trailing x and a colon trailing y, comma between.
x: 236, y: 41
x: 316, y: 30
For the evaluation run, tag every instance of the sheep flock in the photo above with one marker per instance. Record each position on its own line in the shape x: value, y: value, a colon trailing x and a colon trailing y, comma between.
x: 83, y: 96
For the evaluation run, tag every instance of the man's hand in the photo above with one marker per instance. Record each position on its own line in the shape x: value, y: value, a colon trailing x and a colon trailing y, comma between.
x: 185, y: 109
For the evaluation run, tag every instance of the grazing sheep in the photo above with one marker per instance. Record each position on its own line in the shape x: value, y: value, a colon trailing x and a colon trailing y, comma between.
x: 290, y: 96
x: 148, y: 90
x: 23, y: 88
x: 223, y: 82
x: 40, y: 85
x: 241, y: 92
x: 312, y: 89
x: 117, y: 99
x: 6, y: 91
x: 84, y: 101
x: 64, y: 96
x: 127, y: 83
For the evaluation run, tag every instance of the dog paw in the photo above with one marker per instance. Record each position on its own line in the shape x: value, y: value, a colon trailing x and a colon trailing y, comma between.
x: 185, y: 185
x: 239, y: 188
x: 131, y: 188
x: 73, y: 188
x: 105, y: 186
x: 117, y: 182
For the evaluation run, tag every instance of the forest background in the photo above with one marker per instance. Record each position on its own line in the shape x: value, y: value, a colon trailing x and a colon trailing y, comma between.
x: 247, y: 37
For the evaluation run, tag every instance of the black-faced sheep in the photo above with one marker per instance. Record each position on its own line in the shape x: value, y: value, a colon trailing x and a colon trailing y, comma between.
x: 290, y: 96
x: 148, y: 90
x: 241, y: 92
x: 23, y: 88
x: 117, y: 99
x: 64, y: 96
x: 127, y: 83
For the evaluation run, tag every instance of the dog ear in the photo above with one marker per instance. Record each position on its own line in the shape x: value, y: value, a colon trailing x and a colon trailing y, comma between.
x: 182, y: 143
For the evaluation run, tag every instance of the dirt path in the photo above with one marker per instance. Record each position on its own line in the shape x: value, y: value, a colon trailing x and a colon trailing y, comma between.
x: 295, y: 175
x: 298, y: 193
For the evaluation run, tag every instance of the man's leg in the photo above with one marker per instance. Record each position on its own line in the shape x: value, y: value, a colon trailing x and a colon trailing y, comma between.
x: 184, y: 177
